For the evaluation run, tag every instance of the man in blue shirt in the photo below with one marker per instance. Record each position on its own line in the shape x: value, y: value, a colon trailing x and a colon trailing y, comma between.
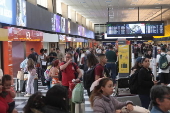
x: 160, y: 98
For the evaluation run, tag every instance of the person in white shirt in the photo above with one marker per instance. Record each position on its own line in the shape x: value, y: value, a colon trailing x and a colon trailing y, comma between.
x: 99, y: 50
x: 164, y: 74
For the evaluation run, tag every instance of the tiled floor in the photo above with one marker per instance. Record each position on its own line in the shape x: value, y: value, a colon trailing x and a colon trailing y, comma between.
x: 20, y: 100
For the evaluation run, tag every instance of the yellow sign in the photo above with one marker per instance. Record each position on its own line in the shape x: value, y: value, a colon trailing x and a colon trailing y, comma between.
x: 3, y: 34
x: 123, y: 58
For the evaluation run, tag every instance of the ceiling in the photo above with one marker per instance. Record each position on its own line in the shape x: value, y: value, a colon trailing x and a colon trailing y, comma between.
x: 121, y: 10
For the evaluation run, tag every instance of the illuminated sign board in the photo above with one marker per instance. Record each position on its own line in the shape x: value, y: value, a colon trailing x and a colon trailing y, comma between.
x: 8, y: 11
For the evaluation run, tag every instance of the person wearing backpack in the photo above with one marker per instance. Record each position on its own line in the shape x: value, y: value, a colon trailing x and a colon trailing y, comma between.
x: 145, y: 82
x: 88, y: 77
x: 133, y: 79
x: 163, y: 61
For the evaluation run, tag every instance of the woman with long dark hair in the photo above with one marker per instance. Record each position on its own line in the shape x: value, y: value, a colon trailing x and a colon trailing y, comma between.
x: 145, y: 83
x: 102, y: 101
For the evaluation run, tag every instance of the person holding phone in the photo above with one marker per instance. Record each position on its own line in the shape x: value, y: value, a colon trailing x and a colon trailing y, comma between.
x: 68, y: 70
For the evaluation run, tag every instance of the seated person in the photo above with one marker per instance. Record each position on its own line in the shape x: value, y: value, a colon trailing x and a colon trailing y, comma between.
x: 102, y: 101
x: 54, y: 102
x: 9, y: 93
x: 160, y: 98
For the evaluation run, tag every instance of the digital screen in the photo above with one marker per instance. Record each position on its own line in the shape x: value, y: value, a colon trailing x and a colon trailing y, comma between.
x: 62, y: 25
x: 138, y: 28
x: 66, y: 26
x: 8, y: 11
x: 58, y: 23
x: 116, y: 29
x: 21, y: 18
x: 79, y: 30
x: 154, y: 28
x: 53, y: 22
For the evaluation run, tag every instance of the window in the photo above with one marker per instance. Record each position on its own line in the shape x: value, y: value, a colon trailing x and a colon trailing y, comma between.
x: 42, y: 3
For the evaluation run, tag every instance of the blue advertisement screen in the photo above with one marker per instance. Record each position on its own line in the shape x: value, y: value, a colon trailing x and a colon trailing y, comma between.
x: 8, y: 11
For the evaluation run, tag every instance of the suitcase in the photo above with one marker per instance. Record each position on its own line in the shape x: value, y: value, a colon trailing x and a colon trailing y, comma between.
x: 80, y: 108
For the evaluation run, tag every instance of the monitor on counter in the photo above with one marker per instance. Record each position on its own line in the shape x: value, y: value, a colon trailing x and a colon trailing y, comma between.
x: 143, y: 28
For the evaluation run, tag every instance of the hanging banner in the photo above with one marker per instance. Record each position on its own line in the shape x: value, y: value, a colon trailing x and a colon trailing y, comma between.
x: 124, y: 52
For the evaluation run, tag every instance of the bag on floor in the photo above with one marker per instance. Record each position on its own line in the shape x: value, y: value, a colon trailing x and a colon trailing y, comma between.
x: 78, y: 93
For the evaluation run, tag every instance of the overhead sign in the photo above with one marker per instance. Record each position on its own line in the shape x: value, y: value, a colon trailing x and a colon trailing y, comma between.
x: 19, y: 34
x: 4, y: 34
x: 8, y: 11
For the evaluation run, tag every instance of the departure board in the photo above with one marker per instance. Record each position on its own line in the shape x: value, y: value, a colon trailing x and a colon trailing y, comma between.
x: 116, y: 29
x: 139, y: 28
x: 154, y: 28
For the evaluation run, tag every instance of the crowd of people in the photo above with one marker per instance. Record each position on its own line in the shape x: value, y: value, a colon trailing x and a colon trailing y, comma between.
x: 56, y: 70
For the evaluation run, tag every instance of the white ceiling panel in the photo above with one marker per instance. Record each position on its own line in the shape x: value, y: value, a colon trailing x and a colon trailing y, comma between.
x: 121, y: 10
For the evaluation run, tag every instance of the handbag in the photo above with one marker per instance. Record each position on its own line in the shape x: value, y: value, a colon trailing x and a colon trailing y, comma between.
x: 20, y: 75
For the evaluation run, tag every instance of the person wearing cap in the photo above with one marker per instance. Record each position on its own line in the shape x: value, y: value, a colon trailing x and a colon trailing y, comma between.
x: 137, y: 66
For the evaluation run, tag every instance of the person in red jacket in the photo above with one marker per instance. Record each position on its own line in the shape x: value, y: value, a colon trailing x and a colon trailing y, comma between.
x: 3, y: 104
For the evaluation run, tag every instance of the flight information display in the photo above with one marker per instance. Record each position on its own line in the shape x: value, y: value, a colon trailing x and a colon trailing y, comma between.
x: 140, y: 28
x: 116, y: 29
x: 154, y: 28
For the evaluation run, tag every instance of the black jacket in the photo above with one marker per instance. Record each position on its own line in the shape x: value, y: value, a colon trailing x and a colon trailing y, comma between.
x: 48, y: 109
x: 145, y: 81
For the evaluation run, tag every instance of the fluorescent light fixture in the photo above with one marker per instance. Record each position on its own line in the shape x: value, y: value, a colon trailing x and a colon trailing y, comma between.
x: 105, y: 37
x: 157, y: 7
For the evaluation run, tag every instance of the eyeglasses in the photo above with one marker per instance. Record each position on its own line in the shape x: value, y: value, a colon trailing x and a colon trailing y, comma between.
x: 167, y: 98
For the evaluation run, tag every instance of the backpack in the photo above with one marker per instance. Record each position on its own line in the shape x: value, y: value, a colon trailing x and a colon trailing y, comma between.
x: 163, y: 62
x: 78, y: 93
x: 133, y: 83
x: 89, y: 77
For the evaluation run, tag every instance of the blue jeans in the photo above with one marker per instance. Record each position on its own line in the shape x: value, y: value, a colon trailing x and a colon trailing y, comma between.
x: 145, y: 100
x: 112, y: 69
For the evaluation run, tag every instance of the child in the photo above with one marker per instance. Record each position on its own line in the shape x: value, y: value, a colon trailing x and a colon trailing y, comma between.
x: 8, y: 92
x: 102, y: 101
